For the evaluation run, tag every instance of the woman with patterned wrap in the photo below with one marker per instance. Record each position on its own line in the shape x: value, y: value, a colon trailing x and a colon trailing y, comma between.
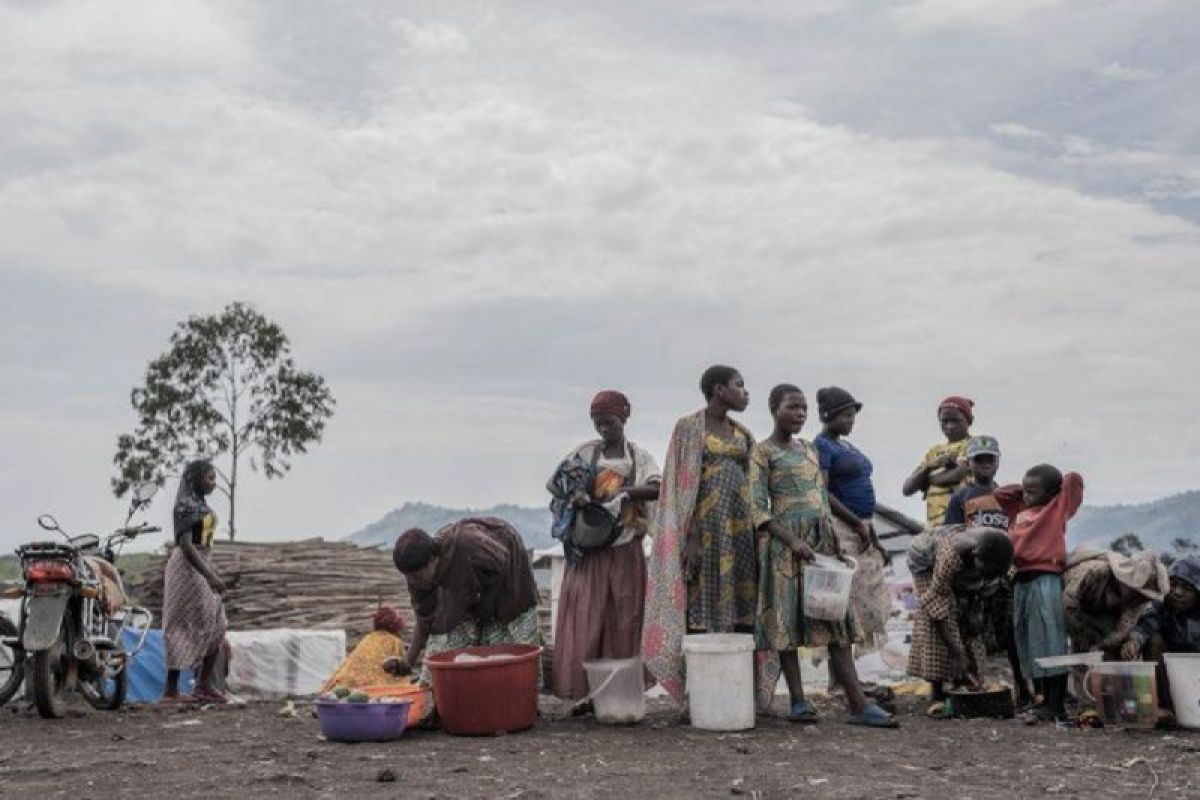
x: 193, y: 613
x: 703, y: 569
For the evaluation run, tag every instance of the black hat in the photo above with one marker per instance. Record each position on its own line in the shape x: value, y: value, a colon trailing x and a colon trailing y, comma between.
x: 832, y: 399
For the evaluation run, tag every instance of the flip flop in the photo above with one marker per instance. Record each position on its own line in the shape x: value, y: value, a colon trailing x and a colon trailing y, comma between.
x: 874, y: 717
x: 803, y: 713
x: 937, y: 710
x: 178, y: 700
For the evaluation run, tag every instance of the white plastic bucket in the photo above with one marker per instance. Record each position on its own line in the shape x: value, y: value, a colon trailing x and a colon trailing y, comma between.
x: 827, y: 588
x: 1183, y: 671
x: 720, y: 680
x: 617, y: 689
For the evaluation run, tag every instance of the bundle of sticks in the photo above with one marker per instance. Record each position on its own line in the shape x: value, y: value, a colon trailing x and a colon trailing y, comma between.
x: 304, y: 584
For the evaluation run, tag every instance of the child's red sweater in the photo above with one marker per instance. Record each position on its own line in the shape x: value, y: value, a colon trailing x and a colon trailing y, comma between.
x: 1039, y: 534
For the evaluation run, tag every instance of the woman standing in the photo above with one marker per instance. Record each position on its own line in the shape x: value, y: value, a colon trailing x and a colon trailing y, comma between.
x: 847, y: 475
x: 602, y: 597
x: 794, y: 522
x: 944, y: 469
x: 193, y: 613
x: 703, y: 569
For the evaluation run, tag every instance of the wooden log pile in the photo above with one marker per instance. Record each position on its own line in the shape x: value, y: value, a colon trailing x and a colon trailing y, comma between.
x: 304, y: 584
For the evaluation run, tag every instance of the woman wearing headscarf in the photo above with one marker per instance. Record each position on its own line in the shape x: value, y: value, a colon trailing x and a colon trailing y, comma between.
x: 847, y: 473
x: 703, y: 568
x: 944, y: 468
x: 193, y: 613
x: 471, y: 584
x: 602, y: 595
x: 1104, y: 594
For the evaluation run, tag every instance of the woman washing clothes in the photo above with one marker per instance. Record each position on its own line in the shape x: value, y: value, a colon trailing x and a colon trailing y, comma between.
x: 193, y: 612
x: 603, y: 591
x: 703, y: 568
x: 847, y: 474
x: 949, y: 566
x: 794, y: 523
x: 944, y: 469
x: 470, y: 584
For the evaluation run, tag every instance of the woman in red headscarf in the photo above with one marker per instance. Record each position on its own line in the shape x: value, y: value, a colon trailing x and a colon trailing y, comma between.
x: 944, y: 468
x: 600, y: 604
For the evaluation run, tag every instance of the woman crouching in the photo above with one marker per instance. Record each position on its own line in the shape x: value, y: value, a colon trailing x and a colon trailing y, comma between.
x: 471, y: 584
x: 949, y: 567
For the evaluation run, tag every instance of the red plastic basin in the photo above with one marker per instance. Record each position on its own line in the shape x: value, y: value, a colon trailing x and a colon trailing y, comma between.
x: 497, y: 695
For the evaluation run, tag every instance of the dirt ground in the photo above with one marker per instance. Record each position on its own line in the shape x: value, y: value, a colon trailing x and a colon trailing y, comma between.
x: 237, y: 752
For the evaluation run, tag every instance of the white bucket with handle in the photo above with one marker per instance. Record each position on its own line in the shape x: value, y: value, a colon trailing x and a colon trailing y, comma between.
x: 827, y: 588
x: 1183, y: 672
x: 618, y: 690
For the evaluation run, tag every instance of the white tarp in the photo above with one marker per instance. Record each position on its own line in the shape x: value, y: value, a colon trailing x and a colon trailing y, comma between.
x: 283, y: 662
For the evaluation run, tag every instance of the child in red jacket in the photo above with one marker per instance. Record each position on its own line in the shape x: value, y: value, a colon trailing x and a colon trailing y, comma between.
x: 1039, y: 509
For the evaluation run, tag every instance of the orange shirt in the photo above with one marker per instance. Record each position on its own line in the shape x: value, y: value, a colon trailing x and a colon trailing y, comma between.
x: 1039, y: 534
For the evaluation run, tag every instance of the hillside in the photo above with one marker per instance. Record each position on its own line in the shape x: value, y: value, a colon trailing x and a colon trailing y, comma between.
x: 532, y: 523
x: 1157, y: 523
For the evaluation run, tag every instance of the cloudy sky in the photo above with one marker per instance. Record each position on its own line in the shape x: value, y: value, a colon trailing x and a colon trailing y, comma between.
x: 471, y: 216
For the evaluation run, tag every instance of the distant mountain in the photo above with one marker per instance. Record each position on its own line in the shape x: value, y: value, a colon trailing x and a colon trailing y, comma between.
x: 532, y: 523
x: 1157, y: 524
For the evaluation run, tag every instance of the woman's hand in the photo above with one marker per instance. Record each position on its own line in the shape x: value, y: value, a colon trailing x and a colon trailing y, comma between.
x: 580, y: 499
x: 1132, y: 649
x: 691, y: 558
x: 217, y: 585
x: 802, y: 551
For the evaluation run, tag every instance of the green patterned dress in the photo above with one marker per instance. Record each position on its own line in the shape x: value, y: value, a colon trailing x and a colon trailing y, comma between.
x: 787, y: 488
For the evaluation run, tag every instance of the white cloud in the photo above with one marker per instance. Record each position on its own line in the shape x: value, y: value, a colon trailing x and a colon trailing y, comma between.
x: 1116, y: 71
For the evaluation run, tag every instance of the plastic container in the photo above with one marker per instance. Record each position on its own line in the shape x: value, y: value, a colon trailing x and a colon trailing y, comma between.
x: 618, y: 690
x: 1124, y: 693
x: 495, y: 694
x: 420, y: 699
x: 362, y: 722
x: 1183, y: 671
x: 827, y: 588
x: 720, y: 680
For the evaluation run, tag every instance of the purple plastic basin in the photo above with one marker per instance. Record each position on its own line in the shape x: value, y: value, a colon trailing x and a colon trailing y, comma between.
x: 362, y: 722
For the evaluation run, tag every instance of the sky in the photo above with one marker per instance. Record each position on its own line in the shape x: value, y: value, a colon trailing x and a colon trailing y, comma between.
x: 469, y: 217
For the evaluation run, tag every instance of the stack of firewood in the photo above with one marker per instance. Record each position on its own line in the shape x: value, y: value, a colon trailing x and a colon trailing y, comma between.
x: 305, y: 584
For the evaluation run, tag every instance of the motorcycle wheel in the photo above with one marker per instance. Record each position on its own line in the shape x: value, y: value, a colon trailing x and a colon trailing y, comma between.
x: 106, y: 694
x: 12, y: 666
x: 48, y: 677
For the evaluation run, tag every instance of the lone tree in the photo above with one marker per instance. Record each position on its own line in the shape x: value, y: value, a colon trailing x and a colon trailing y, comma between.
x: 226, y: 388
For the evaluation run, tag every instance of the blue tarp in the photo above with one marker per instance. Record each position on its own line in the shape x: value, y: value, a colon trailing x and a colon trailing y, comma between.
x: 148, y: 672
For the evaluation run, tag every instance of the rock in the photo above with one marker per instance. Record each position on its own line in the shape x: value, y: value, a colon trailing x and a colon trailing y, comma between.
x: 385, y: 776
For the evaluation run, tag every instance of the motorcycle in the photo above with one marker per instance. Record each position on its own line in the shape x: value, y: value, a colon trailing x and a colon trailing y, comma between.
x: 74, y: 615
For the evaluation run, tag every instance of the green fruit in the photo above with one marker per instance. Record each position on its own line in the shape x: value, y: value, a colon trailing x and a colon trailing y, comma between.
x: 358, y: 697
x: 341, y: 691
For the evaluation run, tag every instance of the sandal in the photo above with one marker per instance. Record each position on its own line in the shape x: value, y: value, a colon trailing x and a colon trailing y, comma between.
x: 874, y: 717
x: 177, y: 700
x: 937, y: 710
x: 803, y: 713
